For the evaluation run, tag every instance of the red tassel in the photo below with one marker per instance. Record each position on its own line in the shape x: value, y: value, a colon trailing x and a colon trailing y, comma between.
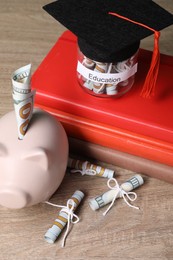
x: 148, y: 89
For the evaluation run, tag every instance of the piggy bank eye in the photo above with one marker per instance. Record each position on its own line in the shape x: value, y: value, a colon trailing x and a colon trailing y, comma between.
x: 3, y: 150
x: 38, y: 155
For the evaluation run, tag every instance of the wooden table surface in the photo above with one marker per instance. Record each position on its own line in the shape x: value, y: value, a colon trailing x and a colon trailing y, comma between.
x: 26, y: 35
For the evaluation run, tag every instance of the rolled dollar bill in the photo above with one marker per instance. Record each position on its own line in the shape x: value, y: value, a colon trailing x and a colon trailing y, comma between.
x: 111, y: 89
x: 23, y: 98
x: 85, y: 167
x: 88, y: 63
x: 101, y: 67
x: 63, y: 217
x: 107, y: 197
x: 88, y: 84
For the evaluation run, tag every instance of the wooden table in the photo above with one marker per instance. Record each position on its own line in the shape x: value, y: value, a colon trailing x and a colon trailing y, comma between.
x: 27, y: 34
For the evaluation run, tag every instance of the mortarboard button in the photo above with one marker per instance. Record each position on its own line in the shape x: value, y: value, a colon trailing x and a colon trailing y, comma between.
x: 110, y: 30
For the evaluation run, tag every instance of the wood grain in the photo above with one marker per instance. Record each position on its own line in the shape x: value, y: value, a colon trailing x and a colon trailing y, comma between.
x: 26, y: 35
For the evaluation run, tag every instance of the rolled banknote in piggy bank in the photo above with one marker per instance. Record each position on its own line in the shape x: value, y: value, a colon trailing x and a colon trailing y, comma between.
x: 33, y: 168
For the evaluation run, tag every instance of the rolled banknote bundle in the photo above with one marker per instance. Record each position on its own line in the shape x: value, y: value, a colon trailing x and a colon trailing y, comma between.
x: 85, y: 167
x: 100, y: 67
x: 64, y: 217
x: 88, y: 63
x: 23, y: 98
x: 107, y: 197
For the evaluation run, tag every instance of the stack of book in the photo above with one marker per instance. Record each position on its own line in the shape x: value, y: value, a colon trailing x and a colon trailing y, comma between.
x: 131, y: 131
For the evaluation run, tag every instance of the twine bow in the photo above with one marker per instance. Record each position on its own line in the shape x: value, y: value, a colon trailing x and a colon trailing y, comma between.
x: 84, y: 170
x: 119, y: 192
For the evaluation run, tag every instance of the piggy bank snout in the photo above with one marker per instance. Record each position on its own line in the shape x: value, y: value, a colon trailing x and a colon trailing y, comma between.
x: 13, y: 198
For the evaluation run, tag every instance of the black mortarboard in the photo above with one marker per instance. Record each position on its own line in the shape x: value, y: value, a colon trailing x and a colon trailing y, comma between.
x: 111, y: 30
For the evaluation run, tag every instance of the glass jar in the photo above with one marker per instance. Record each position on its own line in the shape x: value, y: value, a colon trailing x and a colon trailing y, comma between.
x: 106, y: 79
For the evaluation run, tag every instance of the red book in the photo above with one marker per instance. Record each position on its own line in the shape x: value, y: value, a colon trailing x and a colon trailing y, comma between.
x: 130, y: 124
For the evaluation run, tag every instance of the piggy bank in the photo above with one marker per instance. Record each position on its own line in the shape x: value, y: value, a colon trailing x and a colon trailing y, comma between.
x: 31, y: 169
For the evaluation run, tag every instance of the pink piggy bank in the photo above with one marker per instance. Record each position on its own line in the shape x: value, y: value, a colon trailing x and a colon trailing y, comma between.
x: 33, y: 168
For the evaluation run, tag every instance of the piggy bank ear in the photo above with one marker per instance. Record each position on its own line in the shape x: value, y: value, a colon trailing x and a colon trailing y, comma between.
x: 38, y: 155
x: 3, y: 150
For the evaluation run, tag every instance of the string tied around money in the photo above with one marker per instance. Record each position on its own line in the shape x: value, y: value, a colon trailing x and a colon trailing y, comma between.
x: 122, y: 194
x: 72, y: 217
x: 84, y: 170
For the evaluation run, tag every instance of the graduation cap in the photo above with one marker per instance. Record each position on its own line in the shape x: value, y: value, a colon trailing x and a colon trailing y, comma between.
x: 111, y: 30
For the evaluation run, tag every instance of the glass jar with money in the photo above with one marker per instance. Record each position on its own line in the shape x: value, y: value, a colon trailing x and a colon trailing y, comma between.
x: 106, y: 79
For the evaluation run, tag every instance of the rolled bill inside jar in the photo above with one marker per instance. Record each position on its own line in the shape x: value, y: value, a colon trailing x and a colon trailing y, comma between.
x: 85, y: 167
x: 90, y: 64
x: 23, y: 98
x: 111, y: 89
x: 100, y: 67
x: 107, y: 197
